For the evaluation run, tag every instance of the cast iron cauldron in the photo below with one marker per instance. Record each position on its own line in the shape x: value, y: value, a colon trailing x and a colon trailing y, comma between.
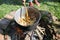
x: 32, y: 12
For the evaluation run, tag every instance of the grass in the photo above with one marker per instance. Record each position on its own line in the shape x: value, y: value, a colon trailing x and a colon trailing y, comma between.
x: 4, y: 9
x: 53, y: 7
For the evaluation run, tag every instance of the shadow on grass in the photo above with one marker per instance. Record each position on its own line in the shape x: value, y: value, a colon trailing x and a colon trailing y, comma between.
x: 19, y: 2
x: 55, y: 6
x: 14, y: 2
x: 49, y: 0
x: 56, y: 25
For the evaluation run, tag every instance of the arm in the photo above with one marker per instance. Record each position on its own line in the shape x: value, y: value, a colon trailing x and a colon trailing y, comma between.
x: 4, y: 23
x: 10, y: 15
x: 6, y: 20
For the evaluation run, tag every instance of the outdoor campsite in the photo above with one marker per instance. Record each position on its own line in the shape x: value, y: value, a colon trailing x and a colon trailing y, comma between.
x: 29, y: 19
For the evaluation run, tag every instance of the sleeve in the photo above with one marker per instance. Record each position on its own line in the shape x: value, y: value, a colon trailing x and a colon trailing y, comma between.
x: 3, y: 24
x: 6, y: 20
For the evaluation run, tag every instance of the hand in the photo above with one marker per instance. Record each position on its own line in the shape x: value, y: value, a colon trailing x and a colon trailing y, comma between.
x: 10, y: 15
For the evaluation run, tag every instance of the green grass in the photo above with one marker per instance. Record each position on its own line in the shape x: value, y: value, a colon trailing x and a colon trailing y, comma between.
x: 53, y: 7
x: 4, y: 9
